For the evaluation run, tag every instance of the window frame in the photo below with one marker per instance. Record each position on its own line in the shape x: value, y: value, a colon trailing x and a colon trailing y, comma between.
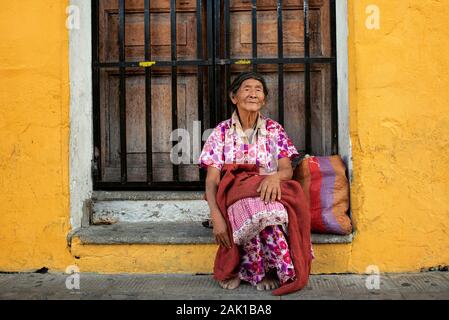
x: 82, y: 116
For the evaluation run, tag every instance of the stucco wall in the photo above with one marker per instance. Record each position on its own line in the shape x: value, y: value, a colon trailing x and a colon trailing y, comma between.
x: 399, y: 125
x: 399, y: 102
x: 34, y: 131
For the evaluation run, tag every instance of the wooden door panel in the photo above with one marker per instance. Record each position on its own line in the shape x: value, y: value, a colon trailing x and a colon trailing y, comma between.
x: 267, y: 44
x: 135, y: 123
x: 294, y: 105
x: 187, y: 81
x: 321, y: 109
x: 293, y: 31
x: 160, y: 32
x: 160, y: 37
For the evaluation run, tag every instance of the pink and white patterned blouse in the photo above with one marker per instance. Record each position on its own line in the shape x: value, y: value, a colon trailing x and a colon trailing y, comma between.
x: 229, y: 144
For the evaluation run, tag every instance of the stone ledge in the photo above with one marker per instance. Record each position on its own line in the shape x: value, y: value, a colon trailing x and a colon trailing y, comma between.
x: 165, y: 233
x: 147, y: 195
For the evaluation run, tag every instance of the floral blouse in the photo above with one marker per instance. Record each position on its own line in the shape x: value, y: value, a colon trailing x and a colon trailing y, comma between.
x: 228, y: 144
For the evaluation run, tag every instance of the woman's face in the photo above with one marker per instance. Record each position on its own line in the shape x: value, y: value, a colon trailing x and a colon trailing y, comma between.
x: 250, y: 96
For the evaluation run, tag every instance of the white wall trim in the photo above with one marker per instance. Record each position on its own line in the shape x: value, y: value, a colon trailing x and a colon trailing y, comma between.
x: 81, y: 121
x: 344, y: 141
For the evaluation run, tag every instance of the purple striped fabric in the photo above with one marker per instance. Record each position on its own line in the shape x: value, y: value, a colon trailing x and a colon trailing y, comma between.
x: 327, y: 195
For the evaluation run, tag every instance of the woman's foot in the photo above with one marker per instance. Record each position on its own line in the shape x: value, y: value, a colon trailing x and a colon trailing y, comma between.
x: 230, y: 284
x: 267, y: 283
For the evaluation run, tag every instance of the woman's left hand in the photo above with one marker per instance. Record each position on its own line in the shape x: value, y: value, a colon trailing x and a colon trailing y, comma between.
x: 270, y: 188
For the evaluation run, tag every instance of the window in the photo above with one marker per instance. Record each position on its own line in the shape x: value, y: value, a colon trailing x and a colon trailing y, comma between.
x: 162, y: 65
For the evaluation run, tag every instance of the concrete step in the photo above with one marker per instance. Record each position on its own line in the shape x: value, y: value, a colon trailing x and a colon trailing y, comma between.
x: 176, y: 247
x: 148, y: 206
x: 162, y: 232
x: 179, y: 232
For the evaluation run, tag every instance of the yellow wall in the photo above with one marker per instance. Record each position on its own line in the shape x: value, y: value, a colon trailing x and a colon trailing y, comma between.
x: 399, y: 103
x: 399, y: 124
x: 34, y: 133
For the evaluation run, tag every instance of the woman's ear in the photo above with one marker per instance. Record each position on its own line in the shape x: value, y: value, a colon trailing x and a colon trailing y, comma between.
x: 233, y: 99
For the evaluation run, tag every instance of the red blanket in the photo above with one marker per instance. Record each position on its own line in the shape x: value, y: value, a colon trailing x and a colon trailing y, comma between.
x: 241, y: 181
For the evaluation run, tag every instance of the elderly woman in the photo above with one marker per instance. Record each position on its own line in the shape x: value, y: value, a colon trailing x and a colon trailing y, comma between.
x: 256, y: 225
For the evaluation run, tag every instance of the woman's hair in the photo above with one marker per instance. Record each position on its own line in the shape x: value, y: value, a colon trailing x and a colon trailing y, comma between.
x: 236, y: 84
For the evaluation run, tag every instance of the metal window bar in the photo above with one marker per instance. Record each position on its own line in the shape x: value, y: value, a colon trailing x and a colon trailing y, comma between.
x: 200, y: 82
x: 161, y: 63
x: 308, y: 116
x: 227, y: 55
x: 122, y: 93
x: 334, y: 81
x: 217, y: 67
x: 211, y: 59
x: 254, y: 32
x: 280, y: 65
x: 148, y: 116
x: 97, y: 169
x: 174, y: 79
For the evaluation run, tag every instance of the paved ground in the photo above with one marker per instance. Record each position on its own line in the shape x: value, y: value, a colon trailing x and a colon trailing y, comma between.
x: 52, y: 286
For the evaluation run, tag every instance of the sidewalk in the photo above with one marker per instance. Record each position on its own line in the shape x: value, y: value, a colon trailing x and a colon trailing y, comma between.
x: 52, y: 286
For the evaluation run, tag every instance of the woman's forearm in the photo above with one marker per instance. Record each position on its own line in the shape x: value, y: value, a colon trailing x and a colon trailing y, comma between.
x: 285, y: 174
x: 211, y: 193
x: 285, y: 170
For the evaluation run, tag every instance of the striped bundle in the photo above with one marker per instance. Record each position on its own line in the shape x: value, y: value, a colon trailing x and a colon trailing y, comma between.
x: 325, y: 185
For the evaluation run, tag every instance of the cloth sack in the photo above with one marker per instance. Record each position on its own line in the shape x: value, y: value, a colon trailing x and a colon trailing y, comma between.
x: 326, y: 188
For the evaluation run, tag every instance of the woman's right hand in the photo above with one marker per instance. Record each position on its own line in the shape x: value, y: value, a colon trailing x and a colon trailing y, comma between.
x: 220, y: 230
